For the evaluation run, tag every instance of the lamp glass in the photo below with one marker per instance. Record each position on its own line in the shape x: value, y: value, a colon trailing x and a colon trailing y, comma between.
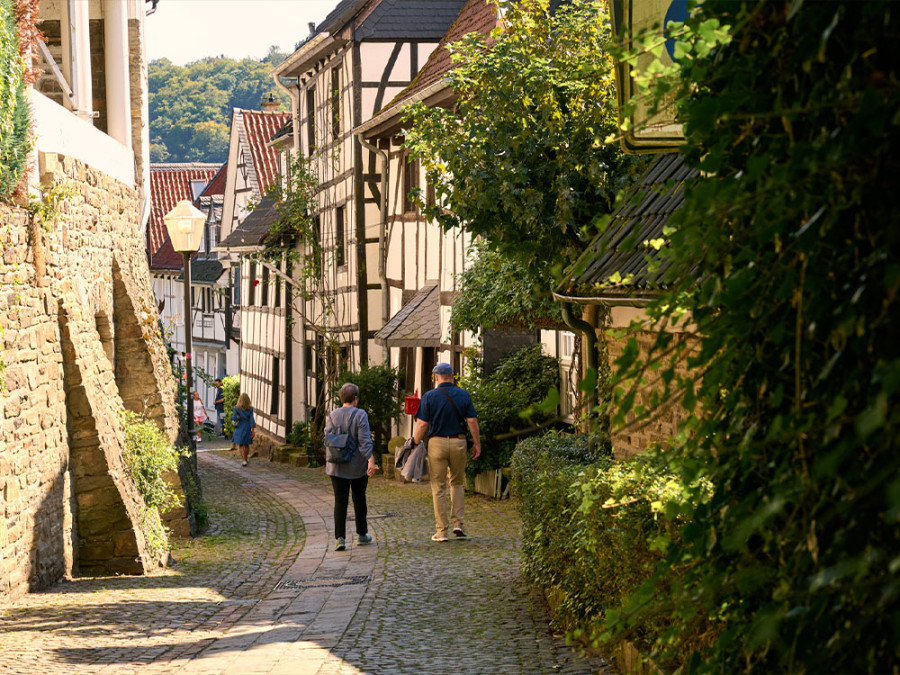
x: 185, y: 226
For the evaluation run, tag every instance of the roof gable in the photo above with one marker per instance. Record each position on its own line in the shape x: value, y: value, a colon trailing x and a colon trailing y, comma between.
x: 256, y: 129
x: 169, y: 184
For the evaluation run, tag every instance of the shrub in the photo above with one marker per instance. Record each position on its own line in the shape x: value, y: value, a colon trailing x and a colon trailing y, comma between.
x: 379, y: 396
x: 520, y: 381
x: 231, y: 385
x: 593, y: 527
x: 148, y: 457
x: 298, y: 436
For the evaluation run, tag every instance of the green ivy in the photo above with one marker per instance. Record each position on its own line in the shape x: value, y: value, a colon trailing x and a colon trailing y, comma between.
x: 785, y: 258
x: 15, y: 118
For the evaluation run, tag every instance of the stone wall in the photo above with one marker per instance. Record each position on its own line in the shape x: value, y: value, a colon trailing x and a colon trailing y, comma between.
x: 79, y: 342
x: 635, y: 438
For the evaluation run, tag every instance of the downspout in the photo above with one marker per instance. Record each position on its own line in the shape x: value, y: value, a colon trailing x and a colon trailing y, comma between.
x: 382, y: 240
x: 293, y: 93
x: 288, y: 359
x: 590, y: 352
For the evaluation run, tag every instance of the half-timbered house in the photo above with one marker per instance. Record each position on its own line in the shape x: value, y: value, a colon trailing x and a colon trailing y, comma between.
x: 257, y: 298
x: 363, y: 54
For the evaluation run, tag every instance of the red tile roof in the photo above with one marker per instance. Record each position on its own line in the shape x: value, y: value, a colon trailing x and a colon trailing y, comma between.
x: 477, y: 16
x: 217, y: 185
x: 260, y: 127
x: 169, y: 184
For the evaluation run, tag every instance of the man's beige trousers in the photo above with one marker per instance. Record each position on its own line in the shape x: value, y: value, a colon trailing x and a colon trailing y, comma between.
x: 444, y: 454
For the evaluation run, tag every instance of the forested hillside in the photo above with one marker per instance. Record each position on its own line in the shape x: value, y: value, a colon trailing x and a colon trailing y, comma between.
x: 190, y: 106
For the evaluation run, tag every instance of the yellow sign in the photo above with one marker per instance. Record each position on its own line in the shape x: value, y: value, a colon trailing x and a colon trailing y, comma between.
x: 647, y: 133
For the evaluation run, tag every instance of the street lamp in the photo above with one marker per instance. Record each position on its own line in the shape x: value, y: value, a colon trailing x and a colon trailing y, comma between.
x: 185, y: 226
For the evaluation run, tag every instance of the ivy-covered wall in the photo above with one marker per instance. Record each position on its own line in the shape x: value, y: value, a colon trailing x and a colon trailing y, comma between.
x: 14, y: 114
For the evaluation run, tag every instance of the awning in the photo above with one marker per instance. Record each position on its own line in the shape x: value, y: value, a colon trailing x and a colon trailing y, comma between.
x: 417, y: 324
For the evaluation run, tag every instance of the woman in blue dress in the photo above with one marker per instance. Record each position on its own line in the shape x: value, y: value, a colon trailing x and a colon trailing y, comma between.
x: 243, y: 426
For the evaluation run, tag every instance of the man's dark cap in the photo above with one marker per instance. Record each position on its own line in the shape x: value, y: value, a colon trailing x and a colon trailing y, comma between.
x: 442, y: 369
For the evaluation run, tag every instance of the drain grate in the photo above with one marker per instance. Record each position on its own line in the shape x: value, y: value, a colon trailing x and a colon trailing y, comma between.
x: 322, y: 582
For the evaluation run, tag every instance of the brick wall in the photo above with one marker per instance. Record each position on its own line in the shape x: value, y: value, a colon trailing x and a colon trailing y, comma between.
x: 635, y: 438
x: 79, y: 342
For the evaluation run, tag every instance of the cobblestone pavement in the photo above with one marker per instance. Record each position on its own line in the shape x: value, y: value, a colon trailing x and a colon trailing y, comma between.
x: 264, y: 592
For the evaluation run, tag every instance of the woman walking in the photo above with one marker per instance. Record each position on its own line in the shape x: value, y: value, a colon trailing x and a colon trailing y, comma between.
x: 352, y: 476
x: 243, y: 426
x: 199, y: 414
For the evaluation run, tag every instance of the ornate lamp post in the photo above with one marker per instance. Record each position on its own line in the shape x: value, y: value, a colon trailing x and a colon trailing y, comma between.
x: 185, y: 226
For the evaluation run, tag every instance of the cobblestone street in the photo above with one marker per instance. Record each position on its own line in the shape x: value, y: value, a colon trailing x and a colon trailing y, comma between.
x: 264, y: 592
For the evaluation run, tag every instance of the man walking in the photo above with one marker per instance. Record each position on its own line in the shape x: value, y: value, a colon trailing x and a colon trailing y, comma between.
x: 444, y: 413
x: 219, y: 403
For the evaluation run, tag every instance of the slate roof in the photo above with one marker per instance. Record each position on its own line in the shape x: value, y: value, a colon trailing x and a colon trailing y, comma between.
x: 409, y: 20
x: 256, y: 129
x: 254, y: 229
x: 205, y: 271
x: 417, y: 324
x: 622, y: 249
x: 169, y: 184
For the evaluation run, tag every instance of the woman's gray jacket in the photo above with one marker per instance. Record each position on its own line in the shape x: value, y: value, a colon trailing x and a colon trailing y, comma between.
x: 359, y: 428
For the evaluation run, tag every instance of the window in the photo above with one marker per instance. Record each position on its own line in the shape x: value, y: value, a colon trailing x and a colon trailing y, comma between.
x: 236, y: 287
x: 429, y: 195
x: 276, y: 385
x: 410, y: 183
x: 340, y: 239
x: 251, y: 285
x: 311, y: 120
x: 336, y: 103
x: 278, y: 291
x: 264, y: 301
x: 196, y: 188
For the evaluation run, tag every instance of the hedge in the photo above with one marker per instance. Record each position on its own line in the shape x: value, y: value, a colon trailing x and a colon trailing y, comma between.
x: 593, y: 527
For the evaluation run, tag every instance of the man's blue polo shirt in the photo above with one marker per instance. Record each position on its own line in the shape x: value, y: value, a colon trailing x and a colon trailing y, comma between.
x: 435, y: 409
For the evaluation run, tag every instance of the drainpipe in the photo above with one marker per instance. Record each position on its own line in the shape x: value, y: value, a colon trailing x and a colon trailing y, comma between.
x: 382, y: 240
x: 294, y: 95
x: 590, y: 336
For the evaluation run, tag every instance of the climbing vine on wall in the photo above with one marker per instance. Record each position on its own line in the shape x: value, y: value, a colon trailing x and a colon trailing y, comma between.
x: 15, y: 119
x: 784, y: 257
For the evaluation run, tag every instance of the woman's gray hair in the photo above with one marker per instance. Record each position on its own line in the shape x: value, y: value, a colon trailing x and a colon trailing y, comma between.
x: 349, y: 392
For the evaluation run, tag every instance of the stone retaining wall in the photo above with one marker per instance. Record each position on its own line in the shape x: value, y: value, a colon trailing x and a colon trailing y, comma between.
x: 80, y: 341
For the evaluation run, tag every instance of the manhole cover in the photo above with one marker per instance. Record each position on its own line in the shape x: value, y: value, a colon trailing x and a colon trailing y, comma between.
x: 322, y: 582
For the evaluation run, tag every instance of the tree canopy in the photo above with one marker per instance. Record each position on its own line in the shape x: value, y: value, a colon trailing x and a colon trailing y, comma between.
x: 521, y: 159
x: 190, y: 106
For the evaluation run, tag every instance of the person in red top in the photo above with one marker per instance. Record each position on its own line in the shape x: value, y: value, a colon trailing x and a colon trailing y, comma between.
x: 444, y: 413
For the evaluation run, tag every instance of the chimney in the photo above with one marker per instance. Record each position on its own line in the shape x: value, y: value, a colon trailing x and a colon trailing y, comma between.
x: 270, y: 103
